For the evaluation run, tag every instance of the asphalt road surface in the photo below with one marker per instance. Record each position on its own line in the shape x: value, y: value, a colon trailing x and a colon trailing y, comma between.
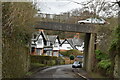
x: 62, y: 71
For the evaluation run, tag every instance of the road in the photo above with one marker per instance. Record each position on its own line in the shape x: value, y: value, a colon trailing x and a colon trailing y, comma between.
x: 62, y: 71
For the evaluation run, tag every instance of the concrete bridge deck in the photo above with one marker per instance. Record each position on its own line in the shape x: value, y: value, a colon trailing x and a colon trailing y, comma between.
x: 83, y: 28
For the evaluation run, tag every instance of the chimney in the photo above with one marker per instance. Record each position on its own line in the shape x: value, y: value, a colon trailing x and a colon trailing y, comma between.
x: 76, y: 36
x: 40, y: 30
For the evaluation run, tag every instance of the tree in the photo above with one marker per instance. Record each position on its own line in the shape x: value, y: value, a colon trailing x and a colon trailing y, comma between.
x: 17, y: 19
x: 102, y: 8
x: 71, y: 57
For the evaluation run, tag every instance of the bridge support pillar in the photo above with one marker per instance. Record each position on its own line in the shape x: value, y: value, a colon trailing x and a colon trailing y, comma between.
x: 89, y: 52
x: 86, y: 47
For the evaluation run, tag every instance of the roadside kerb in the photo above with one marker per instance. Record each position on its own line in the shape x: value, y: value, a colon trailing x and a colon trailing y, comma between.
x: 81, y: 72
x: 82, y: 76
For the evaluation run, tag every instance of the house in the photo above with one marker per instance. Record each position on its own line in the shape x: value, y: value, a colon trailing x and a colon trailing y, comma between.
x: 78, y: 44
x: 73, y: 43
x: 38, y: 42
x: 42, y: 44
x: 66, y: 45
x: 50, y: 45
x: 48, y: 49
x: 53, y: 45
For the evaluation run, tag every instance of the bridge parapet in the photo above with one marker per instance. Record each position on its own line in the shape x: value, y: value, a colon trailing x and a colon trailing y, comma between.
x: 63, y: 18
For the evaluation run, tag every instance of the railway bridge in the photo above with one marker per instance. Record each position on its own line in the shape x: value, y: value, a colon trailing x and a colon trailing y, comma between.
x: 90, y: 36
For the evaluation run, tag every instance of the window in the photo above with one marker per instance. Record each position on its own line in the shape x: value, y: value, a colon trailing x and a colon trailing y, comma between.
x: 68, y: 47
x: 32, y: 49
x: 39, y: 51
x: 48, y: 43
x: 40, y: 41
x: 56, y: 44
x: 55, y: 53
x: 100, y: 19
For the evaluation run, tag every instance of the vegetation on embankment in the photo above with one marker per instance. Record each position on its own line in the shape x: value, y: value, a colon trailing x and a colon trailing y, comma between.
x: 107, y: 45
x: 71, y: 52
x: 17, y: 20
x: 74, y: 53
x: 103, y: 62
x: 114, y: 52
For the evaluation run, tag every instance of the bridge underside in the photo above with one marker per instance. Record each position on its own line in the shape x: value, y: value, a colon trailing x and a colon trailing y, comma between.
x: 83, y: 28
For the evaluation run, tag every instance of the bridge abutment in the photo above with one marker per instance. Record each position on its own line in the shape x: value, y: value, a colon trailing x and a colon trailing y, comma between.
x: 91, y: 54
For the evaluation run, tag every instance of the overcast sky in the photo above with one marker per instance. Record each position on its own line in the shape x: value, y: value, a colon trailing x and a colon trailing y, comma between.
x: 59, y: 6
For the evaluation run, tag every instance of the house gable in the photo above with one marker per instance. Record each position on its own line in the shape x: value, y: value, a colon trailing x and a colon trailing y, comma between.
x: 65, y: 45
x: 43, y: 36
x: 56, y: 45
x: 53, y: 41
x: 40, y: 42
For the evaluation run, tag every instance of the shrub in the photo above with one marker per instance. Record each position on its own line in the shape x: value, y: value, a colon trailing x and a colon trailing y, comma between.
x: 104, y: 64
x: 28, y: 73
x: 37, y: 64
x: 46, y: 60
x: 71, y: 57
x: 100, y: 55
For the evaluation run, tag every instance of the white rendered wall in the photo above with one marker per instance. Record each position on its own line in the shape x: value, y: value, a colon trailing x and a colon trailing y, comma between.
x: 65, y: 46
x: 40, y: 45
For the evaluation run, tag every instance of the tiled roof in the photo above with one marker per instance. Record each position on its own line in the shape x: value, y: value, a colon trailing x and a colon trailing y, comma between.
x: 37, y: 35
x: 51, y: 38
x: 77, y: 42
x: 61, y: 40
x: 74, y: 42
x: 71, y: 42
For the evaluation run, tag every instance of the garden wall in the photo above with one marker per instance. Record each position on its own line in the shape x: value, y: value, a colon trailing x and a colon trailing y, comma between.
x: 46, y: 60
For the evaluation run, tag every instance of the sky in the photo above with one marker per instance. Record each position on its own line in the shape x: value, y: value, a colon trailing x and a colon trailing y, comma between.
x: 59, y: 6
